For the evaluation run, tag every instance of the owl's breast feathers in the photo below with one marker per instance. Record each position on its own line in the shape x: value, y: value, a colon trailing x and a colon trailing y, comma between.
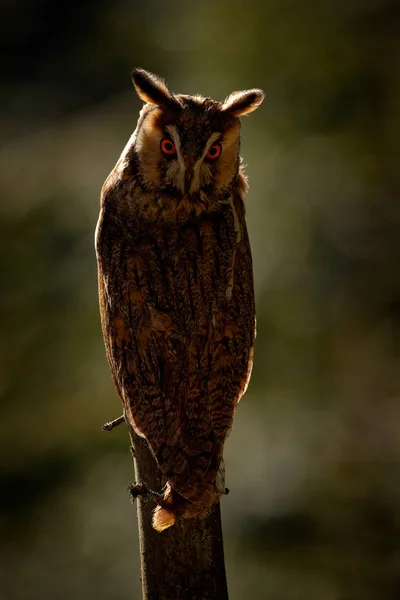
x: 177, y: 310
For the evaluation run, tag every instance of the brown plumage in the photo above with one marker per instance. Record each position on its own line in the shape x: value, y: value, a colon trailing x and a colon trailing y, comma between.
x: 176, y: 286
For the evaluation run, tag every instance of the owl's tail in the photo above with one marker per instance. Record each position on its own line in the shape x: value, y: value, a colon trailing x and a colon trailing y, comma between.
x: 174, y: 506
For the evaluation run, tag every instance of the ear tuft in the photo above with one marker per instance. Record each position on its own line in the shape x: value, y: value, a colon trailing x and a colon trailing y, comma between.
x: 242, y: 103
x: 151, y: 88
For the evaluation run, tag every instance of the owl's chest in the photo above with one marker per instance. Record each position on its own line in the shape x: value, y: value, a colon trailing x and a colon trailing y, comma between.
x: 187, y: 271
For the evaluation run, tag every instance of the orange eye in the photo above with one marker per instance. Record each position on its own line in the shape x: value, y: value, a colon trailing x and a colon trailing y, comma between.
x: 214, y: 152
x: 168, y: 147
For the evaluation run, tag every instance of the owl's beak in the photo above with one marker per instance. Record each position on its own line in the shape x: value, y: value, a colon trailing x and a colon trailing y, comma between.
x: 188, y: 179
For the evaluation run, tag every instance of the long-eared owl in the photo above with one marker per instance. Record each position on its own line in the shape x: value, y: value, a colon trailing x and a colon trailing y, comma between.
x: 176, y: 286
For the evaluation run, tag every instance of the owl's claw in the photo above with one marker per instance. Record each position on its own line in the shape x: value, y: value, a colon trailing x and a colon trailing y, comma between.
x: 109, y: 426
x: 140, y: 489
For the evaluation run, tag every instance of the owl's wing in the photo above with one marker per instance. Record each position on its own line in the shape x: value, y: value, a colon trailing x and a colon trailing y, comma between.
x: 244, y: 309
x: 231, y: 346
x: 148, y: 354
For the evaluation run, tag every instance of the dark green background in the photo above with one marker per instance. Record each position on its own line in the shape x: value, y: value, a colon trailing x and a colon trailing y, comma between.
x: 313, y: 458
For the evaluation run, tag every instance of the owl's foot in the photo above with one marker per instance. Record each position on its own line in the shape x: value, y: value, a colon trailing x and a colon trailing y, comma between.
x: 111, y: 424
x: 140, y: 489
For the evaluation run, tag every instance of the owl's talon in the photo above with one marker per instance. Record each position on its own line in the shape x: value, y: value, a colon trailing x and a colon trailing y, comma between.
x: 140, y: 489
x: 109, y: 426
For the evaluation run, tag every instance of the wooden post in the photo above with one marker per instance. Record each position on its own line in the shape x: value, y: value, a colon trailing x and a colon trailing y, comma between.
x: 184, y: 562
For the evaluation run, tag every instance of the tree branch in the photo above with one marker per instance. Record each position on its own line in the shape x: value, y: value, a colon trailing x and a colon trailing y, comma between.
x: 184, y: 562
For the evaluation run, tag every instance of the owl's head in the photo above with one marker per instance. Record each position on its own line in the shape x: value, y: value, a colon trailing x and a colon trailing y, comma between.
x: 188, y: 143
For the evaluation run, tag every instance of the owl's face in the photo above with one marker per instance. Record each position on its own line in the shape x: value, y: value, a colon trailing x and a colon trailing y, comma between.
x: 186, y: 144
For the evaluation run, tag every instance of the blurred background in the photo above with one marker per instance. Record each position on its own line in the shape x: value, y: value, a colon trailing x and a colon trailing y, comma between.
x: 313, y: 458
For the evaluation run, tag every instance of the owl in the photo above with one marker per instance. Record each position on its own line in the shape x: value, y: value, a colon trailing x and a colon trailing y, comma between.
x: 176, y: 286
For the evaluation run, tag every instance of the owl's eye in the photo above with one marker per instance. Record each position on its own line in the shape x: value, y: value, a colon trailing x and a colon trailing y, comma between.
x: 168, y: 147
x: 214, y: 152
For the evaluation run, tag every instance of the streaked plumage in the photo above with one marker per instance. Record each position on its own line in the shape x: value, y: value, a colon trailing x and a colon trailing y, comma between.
x: 176, y: 286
